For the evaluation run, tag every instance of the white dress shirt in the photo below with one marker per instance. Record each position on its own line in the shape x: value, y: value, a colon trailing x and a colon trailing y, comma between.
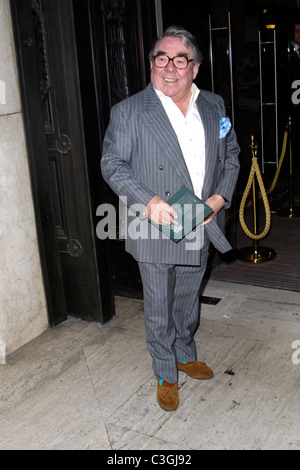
x: 190, y: 133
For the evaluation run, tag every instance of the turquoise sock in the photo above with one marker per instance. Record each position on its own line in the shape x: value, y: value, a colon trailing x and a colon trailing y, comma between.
x: 161, y: 380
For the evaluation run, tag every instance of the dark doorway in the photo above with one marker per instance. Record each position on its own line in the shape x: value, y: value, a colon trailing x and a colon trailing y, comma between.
x: 113, y: 40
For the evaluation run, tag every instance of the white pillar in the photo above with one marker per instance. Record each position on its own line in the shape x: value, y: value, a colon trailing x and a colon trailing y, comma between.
x: 23, y: 312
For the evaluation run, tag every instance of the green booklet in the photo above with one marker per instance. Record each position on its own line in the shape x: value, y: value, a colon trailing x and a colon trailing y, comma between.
x: 190, y: 210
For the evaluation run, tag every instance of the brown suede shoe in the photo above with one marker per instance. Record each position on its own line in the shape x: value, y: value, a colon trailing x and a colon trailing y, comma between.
x: 167, y: 396
x: 196, y: 369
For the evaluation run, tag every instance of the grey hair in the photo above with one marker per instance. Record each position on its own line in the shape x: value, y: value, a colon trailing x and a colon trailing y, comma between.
x: 187, y: 38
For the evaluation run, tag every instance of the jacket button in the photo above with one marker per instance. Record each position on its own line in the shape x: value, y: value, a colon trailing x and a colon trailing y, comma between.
x: 219, y: 159
x: 161, y: 167
x: 168, y: 193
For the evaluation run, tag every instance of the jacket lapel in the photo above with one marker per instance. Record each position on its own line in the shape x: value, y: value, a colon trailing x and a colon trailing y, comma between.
x: 210, y: 122
x: 156, y: 120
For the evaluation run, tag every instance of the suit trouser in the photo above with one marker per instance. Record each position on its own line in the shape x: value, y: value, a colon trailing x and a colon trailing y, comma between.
x: 171, y: 309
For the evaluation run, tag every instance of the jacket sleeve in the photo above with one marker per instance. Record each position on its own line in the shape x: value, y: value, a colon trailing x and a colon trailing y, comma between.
x: 117, y: 159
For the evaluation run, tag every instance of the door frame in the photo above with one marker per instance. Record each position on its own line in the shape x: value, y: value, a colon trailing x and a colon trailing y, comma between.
x: 26, y: 55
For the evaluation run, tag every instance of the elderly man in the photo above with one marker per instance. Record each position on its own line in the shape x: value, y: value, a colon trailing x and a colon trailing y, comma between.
x: 165, y: 137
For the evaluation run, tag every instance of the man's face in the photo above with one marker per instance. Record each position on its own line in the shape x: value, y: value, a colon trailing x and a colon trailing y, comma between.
x: 297, y: 34
x: 173, y: 82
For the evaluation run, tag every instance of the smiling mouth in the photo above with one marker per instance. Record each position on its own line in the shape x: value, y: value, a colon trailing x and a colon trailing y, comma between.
x: 170, y: 80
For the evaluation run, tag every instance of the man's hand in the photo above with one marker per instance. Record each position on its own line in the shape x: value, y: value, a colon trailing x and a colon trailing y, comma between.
x: 216, y: 202
x: 160, y: 212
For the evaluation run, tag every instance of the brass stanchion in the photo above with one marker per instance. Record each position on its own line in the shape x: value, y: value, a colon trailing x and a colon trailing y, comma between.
x: 255, y: 254
x: 290, y: 211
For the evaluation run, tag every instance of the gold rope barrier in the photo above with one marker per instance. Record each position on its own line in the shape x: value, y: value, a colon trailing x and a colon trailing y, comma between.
x: 251, y: 182
x: 291, y: 211
x: 283, y: 152
x: 255, y: 255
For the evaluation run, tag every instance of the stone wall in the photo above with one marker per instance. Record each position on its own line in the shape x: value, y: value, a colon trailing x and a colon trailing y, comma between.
x: 23, y: 312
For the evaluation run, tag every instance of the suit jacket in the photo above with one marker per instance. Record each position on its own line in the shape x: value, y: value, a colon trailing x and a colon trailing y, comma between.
x: 142, y: 158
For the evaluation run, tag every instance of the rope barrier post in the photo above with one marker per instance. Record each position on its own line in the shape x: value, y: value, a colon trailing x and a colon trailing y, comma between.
x: 291, y: 211
x: 255, y: 254
x: 255, y: 242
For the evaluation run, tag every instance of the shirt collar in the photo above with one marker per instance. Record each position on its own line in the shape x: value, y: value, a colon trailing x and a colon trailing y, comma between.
x: 194, y: 90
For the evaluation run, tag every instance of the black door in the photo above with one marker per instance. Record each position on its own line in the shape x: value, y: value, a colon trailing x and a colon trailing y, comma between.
x: 76, y: 272
x: 113, y: 41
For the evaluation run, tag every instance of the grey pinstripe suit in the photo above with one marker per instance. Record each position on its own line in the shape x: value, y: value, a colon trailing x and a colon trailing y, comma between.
x: 142, y: 158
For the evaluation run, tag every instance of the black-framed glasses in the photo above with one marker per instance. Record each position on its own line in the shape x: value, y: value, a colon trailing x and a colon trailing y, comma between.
x: 180, y: 62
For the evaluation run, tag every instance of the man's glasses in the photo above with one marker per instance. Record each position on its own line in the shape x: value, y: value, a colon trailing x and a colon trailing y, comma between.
x: 180, y: 62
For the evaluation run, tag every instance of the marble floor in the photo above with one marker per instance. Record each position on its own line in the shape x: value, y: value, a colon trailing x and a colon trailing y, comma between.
x: 89, y: 386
